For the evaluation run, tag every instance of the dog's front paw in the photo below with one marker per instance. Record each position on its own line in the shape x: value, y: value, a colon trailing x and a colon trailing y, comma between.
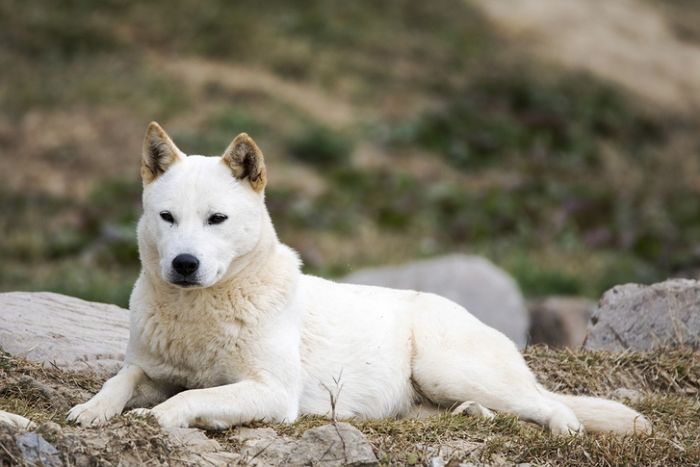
x: 94, y: 412
x: 168, y: 415
x: 139, y: 412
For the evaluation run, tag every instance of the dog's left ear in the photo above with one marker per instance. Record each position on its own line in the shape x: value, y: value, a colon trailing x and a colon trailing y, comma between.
x: 158, y: 153
x: 245, y: 160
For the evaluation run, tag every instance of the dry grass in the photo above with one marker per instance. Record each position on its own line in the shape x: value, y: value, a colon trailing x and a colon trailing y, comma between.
x: 664, y: 371
x: 669, y: 383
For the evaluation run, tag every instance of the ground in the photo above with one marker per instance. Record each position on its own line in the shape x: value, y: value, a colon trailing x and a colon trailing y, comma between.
x: 665, y: 387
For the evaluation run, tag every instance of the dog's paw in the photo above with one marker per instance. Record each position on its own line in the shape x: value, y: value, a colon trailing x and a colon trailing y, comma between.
x: 94, y: 412
x: 16, y: 421
x: 473, y: 409
x: 167, y: 416
x: 139, y: 412
x: 564, y: 422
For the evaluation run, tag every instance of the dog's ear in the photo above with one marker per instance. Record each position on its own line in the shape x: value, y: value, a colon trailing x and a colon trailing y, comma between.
x: 159, y: 152
x: 245, y: 160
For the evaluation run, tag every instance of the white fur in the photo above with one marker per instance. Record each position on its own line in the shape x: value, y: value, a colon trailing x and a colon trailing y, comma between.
x: 260, y: 341
x: 16, y: 421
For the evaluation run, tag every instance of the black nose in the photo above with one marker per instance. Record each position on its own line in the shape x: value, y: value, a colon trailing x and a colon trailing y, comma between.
x: 185, y: 264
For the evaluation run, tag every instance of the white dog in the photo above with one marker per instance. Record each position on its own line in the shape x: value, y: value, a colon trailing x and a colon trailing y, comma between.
x: 226, y: 330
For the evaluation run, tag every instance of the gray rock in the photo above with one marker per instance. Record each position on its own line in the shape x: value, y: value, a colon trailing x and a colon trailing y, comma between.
x: 202, y: 450
x: 327, y: 445
x: 333, y: 444
x: 262, y: 446
x: 194, y: 439
x: 37, y: 451
x: 451, y: 450
x: 640, y: 317
x: 560, y: 322
x: 487, y: 291
x: 72, y: 333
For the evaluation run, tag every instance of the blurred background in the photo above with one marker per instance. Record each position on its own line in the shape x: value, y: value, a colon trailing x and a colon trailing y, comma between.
x: 559, y: 139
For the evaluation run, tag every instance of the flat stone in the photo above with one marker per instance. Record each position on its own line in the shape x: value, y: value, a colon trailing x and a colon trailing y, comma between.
x: 334, y: 444
x: 194, y: 439
x: 68, y: 332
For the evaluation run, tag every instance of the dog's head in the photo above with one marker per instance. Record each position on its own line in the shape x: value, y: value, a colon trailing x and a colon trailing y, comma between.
x: 200, y: 214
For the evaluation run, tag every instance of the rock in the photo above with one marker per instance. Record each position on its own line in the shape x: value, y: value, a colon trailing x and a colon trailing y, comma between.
x: 37, y: 451
x: 333, y: 444
x: 262, y: 446
x: 200, y: 449
x: 452, y: 450
x: 327, y: 445
x: 560, y: 322
x: 640, y: 317
x: 194, y: 439
x: 72, y: 333
x: 487, y: 291
x: 436, y: 462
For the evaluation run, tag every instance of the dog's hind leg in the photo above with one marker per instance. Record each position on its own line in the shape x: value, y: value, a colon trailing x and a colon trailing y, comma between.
x: 457, y: 358
x: 488, y: 388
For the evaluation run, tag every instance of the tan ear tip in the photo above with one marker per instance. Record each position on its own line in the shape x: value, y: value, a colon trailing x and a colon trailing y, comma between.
x: 154, y: 127
x: 242, y: 137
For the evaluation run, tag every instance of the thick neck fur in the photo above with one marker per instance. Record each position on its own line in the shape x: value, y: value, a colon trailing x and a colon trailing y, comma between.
x: 258, y: 283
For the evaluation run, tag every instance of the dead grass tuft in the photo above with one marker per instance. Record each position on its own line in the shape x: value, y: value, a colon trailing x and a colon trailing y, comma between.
x: 577, y: 372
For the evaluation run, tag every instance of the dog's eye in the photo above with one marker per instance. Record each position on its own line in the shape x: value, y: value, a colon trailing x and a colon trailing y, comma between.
x: 167, y: 217
x: 216, y: 219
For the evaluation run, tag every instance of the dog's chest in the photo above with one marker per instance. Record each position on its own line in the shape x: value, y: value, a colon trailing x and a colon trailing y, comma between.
x: 193, y: 353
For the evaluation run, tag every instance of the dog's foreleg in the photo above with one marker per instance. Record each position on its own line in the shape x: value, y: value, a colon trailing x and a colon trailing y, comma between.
x: 111, y: 399
x: 221, y: 407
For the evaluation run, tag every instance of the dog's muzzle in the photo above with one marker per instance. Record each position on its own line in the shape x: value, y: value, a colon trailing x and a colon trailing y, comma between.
x: 185, y: 266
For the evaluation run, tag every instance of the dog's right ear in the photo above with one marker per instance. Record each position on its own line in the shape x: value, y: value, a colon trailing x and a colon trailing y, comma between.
x: 246, y: 161
x: 159, y: 152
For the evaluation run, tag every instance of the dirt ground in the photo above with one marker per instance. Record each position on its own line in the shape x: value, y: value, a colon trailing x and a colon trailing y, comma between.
x: 663, y: 385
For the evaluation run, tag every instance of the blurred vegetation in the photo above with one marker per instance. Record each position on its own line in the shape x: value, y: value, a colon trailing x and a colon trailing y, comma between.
x: 320, y: 147
x: 418, y: 132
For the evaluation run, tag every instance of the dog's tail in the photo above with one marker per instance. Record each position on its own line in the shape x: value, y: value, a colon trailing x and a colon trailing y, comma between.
x: 603, y: 415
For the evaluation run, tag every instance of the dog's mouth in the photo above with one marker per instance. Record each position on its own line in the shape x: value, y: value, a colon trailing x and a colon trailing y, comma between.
x: 185, y: 283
